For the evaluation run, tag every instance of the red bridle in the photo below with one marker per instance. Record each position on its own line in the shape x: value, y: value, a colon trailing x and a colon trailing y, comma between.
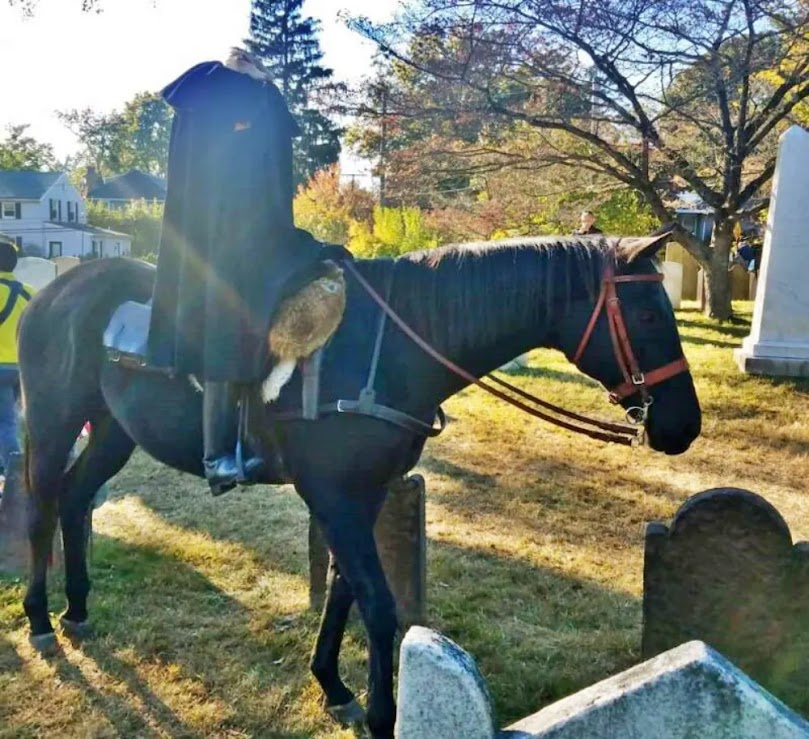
x: 635, y: 380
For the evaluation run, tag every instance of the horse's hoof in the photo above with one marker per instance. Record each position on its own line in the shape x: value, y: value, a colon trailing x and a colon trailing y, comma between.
x: 76, y: 629
x: 45, y: 644
x: 347, y: 715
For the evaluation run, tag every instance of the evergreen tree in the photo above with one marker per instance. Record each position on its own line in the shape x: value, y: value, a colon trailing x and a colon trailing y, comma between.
x: 287, y: 43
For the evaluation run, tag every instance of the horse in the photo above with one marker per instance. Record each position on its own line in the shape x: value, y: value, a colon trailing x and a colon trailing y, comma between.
x: 477, y: 304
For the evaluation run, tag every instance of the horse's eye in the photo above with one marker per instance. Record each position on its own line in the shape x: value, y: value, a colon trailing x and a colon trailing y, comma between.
x: 647, y: 316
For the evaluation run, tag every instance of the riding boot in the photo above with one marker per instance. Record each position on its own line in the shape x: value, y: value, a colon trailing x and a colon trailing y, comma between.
x: 227, y: 462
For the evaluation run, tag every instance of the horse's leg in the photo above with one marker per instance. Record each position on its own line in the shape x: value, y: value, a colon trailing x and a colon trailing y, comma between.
x: 45, y: 461
x: 325, y: 664
x: 108, y: 450
x: 348, y: 526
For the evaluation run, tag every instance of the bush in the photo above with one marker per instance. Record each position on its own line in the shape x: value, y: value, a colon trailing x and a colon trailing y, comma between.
x: 141, y: 220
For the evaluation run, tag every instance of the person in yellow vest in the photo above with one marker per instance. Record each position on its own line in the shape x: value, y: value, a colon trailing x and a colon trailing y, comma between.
x: 14, y: 296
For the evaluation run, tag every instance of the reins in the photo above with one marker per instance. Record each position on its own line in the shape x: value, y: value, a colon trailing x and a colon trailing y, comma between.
x: 627, y: 434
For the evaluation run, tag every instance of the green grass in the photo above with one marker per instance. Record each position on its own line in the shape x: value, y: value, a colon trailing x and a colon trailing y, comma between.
x: 535, y: 564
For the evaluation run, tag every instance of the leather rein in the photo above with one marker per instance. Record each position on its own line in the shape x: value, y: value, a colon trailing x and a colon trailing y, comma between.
x: 635, y: 381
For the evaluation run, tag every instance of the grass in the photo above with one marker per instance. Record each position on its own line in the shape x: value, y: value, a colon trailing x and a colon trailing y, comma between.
x: 535, y: 565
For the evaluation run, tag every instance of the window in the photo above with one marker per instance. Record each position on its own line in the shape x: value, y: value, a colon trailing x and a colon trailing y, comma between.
x: 117, y: 248
x: 53, y: 212
x: 9, y: 210
x: 70, y: 211
x: 54, y: 249
x: 59, y: 204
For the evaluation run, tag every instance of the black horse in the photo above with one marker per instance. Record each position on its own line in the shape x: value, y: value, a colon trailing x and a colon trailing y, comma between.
x: 479, y: 305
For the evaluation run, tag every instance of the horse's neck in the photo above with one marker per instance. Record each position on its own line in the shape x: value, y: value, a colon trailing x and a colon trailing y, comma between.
x: 508, y: 314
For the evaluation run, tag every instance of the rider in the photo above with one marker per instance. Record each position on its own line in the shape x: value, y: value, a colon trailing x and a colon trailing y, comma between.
x: 229, y: 250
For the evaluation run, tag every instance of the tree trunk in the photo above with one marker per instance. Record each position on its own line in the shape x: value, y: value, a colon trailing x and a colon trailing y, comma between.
x: 717, y: 275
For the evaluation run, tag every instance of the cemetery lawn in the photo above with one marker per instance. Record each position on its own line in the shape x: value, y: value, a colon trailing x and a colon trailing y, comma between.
x: 535, y: 564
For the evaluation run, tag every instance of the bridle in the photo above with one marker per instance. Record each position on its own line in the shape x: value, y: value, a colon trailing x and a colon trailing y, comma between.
x: 635, y: 381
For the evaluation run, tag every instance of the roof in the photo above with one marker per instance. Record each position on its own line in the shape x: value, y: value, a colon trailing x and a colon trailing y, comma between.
x: 20, y: 184
x: 134, y: 185
x: 88, y: 229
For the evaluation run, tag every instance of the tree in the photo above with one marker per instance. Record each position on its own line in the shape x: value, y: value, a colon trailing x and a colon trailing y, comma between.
x: 330, y: 208
x: 20, y: 151
x: 115, y: 142
x: 287, y: 43
x: 659, y: 95
x: 141, y: 220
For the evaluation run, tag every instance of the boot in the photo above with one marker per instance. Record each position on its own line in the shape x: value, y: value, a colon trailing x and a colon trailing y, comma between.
x: 220, y: 424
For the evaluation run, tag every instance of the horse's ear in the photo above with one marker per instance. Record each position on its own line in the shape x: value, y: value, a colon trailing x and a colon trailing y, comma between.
x: 639, y: 247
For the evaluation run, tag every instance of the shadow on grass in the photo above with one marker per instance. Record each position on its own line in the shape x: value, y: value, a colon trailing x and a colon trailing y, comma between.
x: 737, y: 330
x: 700, y: 341
x: 161, y: 626
x: 561, y: 635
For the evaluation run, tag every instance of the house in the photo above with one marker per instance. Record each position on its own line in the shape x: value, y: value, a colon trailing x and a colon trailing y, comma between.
x: 121, y: 190
x: 46, y: 216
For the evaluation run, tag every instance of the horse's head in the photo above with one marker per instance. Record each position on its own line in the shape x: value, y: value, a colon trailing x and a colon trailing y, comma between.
x: 627, y: 339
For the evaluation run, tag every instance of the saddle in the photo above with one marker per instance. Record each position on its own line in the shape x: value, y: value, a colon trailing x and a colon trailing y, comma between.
x: 305, y: 322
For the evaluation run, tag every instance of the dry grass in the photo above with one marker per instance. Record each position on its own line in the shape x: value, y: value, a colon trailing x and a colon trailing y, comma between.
x: 535, y: 563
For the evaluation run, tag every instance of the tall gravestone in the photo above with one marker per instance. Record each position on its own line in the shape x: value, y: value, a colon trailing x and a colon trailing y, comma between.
x: 779, y: 339
x: 401, y: 541
x: 725, y: 571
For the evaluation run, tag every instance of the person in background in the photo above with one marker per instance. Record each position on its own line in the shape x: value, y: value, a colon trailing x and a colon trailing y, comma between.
x: 588, y: 224
x: 14, y: 296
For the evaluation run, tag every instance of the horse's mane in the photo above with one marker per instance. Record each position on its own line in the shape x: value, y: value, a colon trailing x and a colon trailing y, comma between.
x: 467, y: 294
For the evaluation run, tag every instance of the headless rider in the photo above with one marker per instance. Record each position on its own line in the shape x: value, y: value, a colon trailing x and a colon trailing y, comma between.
x: 229, y: 251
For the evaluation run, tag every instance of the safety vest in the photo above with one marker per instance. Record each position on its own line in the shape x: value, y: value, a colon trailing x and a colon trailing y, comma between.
x: 14, y: 296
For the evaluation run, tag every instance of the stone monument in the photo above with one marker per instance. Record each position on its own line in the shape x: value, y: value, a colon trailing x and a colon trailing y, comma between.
x: 779, y: 339
x: 35, y: 272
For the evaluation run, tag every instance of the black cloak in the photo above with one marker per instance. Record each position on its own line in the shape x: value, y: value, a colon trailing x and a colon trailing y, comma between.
x: 229, y: 250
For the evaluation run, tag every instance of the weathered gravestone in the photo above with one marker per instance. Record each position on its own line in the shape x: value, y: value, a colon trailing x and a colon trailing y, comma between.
x: 65, y: 264
x: 779, y: 338
x: 35, y: 272
x: 688, y: 692
x: 13, y: 523
x: 441, y: 693
x: 401, y: 540
x: 725, y: 572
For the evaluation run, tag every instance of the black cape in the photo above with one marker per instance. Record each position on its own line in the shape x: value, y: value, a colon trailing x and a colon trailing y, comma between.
x: 229, y: 251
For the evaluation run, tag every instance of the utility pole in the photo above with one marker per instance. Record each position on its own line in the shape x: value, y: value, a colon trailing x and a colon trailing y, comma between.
x: 383, y: 144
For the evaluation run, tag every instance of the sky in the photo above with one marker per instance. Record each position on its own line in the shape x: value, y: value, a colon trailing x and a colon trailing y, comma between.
x: 62, y: 58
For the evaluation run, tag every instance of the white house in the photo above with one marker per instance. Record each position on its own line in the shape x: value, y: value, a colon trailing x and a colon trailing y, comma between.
x: 45, y: 215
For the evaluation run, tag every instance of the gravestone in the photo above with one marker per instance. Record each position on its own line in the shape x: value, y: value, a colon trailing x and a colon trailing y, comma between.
x: 401, y: 541
x: 673, y: 282
x: 35, y: 272
x: 13, y: 523
x: 691, y: 691
x: 778, y: 343
x: 725, y: 572
x: 65, y: 264
x: 441, y: 693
